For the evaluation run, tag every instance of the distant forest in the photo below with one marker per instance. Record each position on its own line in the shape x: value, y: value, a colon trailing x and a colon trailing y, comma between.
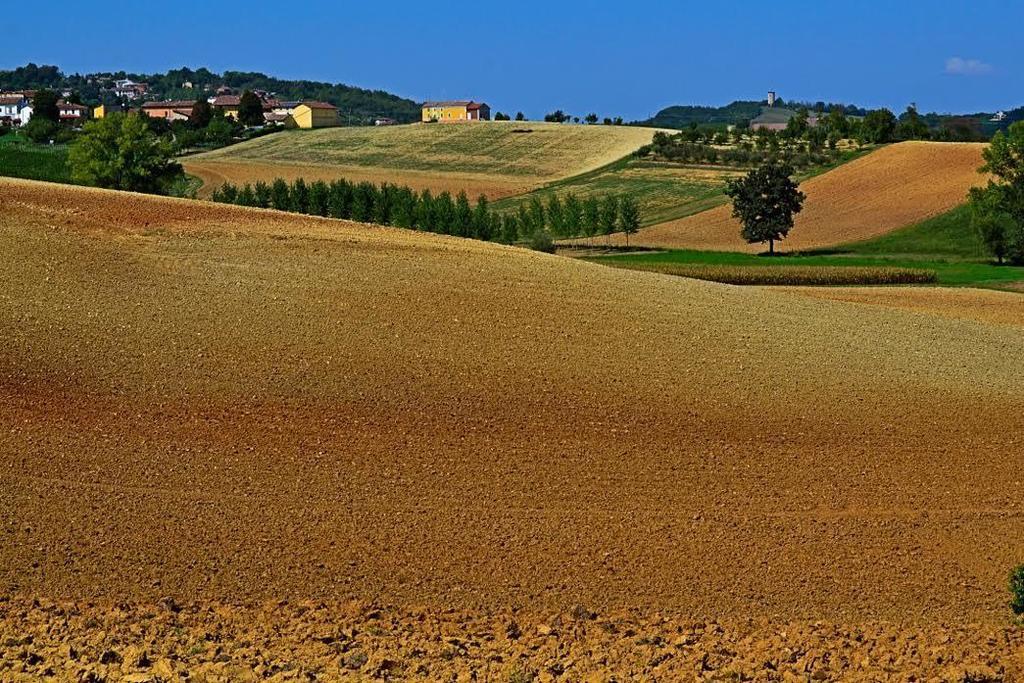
x: 355, y: 105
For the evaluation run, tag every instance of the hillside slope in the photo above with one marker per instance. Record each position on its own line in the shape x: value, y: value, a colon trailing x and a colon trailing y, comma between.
x: 496, y: 158
x: 895, y: 186
x: 210, y: 402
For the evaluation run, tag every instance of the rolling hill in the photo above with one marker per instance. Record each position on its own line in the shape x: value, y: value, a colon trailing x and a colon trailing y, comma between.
x: 395, y: 442
x: 895, y: 186
x: 493, y: 157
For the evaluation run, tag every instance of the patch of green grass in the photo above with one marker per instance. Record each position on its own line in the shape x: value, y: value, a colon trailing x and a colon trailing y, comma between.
x: 947, y: 235
x: 22, y: 158
x: 949, y: 272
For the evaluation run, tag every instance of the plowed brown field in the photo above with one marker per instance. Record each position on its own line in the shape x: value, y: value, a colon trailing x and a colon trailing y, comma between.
x: 890, y: 188
x: 208, y: 404
x: 983, y: 305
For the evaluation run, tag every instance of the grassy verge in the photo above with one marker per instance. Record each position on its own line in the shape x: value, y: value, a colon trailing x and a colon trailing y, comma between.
x: 22, y: 158
x: 945, y: 245
x: 949, y: 272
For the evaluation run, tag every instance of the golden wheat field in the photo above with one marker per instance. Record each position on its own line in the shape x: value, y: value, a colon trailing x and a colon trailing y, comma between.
x: 496, y: 158
x: 242, y: 444
x: 895, y: 186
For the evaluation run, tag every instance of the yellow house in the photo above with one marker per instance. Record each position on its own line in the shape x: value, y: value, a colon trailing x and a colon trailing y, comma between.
x: 455, y: 110
x: 105, y: 110
x: 315, y: 115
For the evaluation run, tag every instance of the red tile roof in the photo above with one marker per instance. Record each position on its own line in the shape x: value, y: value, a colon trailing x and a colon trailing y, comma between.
x: 172, y: 104
x: 227, y: 101
x: 318, y: 105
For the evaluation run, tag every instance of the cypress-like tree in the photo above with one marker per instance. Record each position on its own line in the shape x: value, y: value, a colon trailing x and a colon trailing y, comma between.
x: 537, y: 215
x: 425, y: 212
x: 319, y: 195
x: 444, y: 213
x: 299, y: 194
x: 261, y: 191
x: 509, y: 228
x: 280, y: 196
x: 609, y: 220
x: 629, y: 216
x: 482, y: 228
x: 404, y: 211
x: 463, y: 219
x: 245, y: 196
x: 556, y: 216
x: 591, y: 216
x: 228, y: 193
x: 339, y: 203
x: 250, y: 109
x: 572, y: 215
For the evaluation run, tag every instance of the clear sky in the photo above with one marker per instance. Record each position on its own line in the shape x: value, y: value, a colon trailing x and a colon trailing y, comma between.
x: 613, y: 58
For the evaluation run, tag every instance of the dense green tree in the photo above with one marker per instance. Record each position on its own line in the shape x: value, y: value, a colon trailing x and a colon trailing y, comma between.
x: 319, y: 195
x: 591, y: 216
x: 912, y: 126
x: 509, y: 229
x: 44, y: 106
x: 444, y: 213
x: 250, y: 109
x: 520, y: 116
x: 340, y: 199
x: 425, y: 212
x: 120, y: 152
x: 298, y: 193
x: 556, y: 216
x: 590, y: 119
x: 463, y: 224
x: 501, y: 116
x: 572, y: 215
x: 246, y: 197
x: 609, y: 215
x: 202, y: 114
x: 261, y: 191
x: 221, y: 130
x: 629, y: 216
x: 41, y: 130
x: 878, y: 127
x: 999, y: 206
x: 482, y: 220
x: 798, y: 125
x: 765, y: 201
x: 280, y: 195
x: 536, y: 215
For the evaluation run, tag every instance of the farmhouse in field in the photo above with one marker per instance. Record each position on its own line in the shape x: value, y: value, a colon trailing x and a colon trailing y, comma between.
x: 315, y: 115
x: 454, y: 111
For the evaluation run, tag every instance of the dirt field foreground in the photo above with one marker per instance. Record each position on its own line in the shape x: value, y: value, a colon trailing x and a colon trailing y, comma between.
x: 237, y: 443
x: 892, y: 187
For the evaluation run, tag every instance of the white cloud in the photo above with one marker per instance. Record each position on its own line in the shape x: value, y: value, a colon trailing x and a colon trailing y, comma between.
x: 967, y: 67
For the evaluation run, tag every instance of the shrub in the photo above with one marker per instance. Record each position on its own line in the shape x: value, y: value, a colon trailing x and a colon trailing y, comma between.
x: 1017, y: 590
x: 40, y: 130
x: 541, y: 241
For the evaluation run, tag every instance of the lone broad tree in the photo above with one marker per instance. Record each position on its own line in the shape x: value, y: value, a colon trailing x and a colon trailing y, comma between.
x: 765, y: 201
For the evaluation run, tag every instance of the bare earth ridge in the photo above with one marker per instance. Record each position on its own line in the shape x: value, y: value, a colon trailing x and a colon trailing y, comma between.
x: 223, y: 406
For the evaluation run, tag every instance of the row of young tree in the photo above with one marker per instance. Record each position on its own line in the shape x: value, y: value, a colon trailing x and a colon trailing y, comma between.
x: 536, y: 221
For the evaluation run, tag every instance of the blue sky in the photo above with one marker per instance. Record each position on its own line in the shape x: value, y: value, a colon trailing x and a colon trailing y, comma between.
x: 621, y: 58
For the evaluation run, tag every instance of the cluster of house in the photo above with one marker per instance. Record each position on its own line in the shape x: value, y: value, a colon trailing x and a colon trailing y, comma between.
x: 16, y: 108
x: 301, y: 113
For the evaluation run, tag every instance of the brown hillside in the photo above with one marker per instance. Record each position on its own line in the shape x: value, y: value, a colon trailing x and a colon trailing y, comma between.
x: 895, y: 186
x: 208, y: 404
